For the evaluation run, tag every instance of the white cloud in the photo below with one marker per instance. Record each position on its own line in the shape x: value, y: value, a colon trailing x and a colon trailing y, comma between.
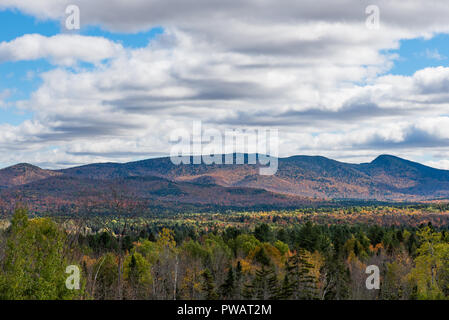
x: 441, y: 164
x: 61, y: 49
x: 310, y: 68
x: 434, y: 54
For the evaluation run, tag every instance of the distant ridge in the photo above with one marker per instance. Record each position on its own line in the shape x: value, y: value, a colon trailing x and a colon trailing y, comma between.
x: 299, y: 179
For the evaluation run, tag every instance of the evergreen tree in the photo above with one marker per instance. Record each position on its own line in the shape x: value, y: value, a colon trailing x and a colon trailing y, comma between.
x: 209, y: 286
x: 263, y: 233
x: 264, y: 286
x: 299, y: 270
x: 238, y: 280
x: 228, y: 287
x: 288, y: 285
x: 133, y: 275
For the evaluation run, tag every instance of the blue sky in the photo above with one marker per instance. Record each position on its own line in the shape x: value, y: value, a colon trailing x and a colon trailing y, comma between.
x: 21, y: 78
x: 116, y: 89
x: 417, y: 54
x: 16, y: 76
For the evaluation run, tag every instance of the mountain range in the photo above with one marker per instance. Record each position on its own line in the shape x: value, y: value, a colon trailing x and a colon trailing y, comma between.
x: 299, y: 181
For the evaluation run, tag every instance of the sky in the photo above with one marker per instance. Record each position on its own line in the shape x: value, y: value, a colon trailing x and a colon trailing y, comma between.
x: 319, y: 71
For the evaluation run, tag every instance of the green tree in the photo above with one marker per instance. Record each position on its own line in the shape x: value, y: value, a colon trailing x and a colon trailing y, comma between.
x: 138, y: 275
x: 264, y: 286
x: 431, y: 273
x: 299, y: 270
x: 34, y: 265
x: 228, y: 287
x: 263, y: 233
x: 208, y: 286
x: 288, y: 285
x: 105, y: 277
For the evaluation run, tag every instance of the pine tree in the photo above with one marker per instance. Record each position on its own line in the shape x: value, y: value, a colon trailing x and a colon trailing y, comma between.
x: 299, y: 271
x: 264, y: 286
x: 248, y: 291
x: 228, y: 287
x: 238, y: 280
x: 133, y: 272
x: 287, y: 287
x: 209, y: 286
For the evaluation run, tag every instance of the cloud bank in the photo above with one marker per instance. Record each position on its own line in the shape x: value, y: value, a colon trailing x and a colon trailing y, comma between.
x: 312, y: 69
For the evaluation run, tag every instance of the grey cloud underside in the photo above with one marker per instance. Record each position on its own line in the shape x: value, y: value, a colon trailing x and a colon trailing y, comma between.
x: 228, y: 90
x: 195, y: 13
x: 312, y: 117
x: 92, y: 129
x: 137, y: 15
x: 119, y: 154
x: 207, y: 91
x: 313, y: 49
x: 435, y: 88
x: 141, y: 104
x: 414, y: 138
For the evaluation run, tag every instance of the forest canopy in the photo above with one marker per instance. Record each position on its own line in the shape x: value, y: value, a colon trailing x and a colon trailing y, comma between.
x: 252, y: 255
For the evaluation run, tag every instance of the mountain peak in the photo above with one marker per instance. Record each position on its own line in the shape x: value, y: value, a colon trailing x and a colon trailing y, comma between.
x: 24, y: 166
x: 23, y: 173
x: 386, y: 158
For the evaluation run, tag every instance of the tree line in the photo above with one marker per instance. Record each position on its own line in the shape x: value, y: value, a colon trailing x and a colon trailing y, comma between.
x: 300, y: 261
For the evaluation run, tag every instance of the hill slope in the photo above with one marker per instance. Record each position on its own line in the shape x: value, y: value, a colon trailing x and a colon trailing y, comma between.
x: 298, y: 180
x: 23, y: 173
x: 385, y: 178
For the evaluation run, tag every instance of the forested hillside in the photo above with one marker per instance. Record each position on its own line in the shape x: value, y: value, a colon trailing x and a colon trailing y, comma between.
x: 299, y: 181
x: 225, y: 256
